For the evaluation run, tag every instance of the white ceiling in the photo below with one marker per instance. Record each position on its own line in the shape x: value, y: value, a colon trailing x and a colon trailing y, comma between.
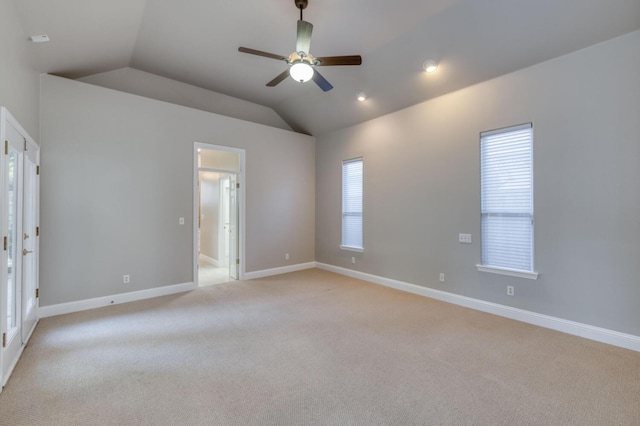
x: 196, y: 42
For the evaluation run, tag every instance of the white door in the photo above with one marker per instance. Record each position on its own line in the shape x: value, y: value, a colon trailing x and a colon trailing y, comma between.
x: 12, y: 254
x: 234, y: 258
x: 30, y: 241
x: 224, y: 214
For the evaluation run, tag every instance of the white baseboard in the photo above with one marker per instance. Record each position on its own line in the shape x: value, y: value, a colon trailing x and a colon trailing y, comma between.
x: 277, y: 271
x: 210, y: 260
x: 611, y: 337
x: 99, y: 302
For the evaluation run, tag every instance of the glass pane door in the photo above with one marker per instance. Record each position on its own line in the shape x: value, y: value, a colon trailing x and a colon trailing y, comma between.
x: 12, y: 258
x: 12, y: 239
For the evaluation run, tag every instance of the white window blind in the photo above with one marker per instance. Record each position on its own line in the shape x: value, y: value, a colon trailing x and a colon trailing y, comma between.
x: 352, y: 203
x: 506, y: 168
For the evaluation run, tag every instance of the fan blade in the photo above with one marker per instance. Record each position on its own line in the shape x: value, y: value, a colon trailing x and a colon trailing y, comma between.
x: 303, y: 41
x: 321, y: 81
x: 261, y: 53
x: 279, y: 79
x: 327, y: 61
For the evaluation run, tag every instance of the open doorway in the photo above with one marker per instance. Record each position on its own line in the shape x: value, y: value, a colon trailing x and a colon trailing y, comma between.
x: 218, y: 214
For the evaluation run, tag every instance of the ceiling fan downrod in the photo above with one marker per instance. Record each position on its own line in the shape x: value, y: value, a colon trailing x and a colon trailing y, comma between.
x: 301, y: 4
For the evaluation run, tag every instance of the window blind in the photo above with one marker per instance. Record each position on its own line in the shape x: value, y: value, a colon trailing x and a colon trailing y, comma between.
x: 506, y: 167
x: 352, y: 203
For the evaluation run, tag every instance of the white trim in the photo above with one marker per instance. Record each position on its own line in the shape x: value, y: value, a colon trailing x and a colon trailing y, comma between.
x: 99, y: 302
x: 17, y: 358
x: 611, y: 337
x: 507, y: 271
x: 277, y: 271
x: 514, y: 128
x: 349, y: 248
x: 13, y: 364
x: 209, y: 260
x: 209, y: 169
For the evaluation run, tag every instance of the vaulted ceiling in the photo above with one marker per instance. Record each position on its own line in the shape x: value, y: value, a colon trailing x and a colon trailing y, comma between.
x: 196, y: 42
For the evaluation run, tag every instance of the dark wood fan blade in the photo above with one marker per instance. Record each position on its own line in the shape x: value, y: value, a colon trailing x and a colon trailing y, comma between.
x: 327, y: 61
x: 303, y: 41
x: 321, y: 81
x: 279, y: 79
x: 261, y: 53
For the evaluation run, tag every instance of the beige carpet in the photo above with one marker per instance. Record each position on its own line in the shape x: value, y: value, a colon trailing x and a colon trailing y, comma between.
x: 313, y: 348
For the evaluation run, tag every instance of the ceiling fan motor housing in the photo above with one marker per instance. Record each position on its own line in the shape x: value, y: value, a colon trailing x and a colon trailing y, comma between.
x: 302, y: 63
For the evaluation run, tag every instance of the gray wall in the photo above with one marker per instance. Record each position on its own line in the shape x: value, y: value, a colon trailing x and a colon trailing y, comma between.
x: 117, y: 173
x: 421, y: 183
x: 19, y: 81
x: 153, y: 86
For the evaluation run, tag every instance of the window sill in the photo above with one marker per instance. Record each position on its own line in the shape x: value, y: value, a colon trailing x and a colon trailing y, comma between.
x: 506, y: 271
x: 349, y: 248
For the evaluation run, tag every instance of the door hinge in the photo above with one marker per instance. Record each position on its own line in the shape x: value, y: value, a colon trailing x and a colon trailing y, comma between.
x: 237, y: 261
x: 25, y: 144
x: 238, y: 185
x: 5, y: 243
x: 4, y: 340
x: 37, y: 170
x: 6, y: 147
x: 37, y: 231
x: 37, y: 293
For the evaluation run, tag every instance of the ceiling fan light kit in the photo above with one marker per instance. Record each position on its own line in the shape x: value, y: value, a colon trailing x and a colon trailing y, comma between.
x: 301, y: 62
x: 301, y: 71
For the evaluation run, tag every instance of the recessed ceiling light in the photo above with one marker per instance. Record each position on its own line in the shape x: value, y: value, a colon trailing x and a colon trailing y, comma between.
x: 430, y: 65
x: 42, y: 38
x: 361, y: 96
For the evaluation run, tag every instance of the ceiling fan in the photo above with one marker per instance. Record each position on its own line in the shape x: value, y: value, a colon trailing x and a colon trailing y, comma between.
x: 302, y: 63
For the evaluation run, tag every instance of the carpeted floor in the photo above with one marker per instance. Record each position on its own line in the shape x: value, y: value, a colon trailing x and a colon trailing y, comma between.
x: 313, y: 348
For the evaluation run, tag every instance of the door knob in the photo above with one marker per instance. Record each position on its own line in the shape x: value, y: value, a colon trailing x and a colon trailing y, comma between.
x: 26, y: 252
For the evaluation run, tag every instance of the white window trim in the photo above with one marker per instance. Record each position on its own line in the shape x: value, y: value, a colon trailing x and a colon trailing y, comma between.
x: 356, y: 249
x: 510, y: 272
x: 349, y: 248
x: 533, y: 274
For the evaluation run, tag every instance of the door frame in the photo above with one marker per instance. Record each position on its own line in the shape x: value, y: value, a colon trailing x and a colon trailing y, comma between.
x: 30, y: 146
x: 241, y: 203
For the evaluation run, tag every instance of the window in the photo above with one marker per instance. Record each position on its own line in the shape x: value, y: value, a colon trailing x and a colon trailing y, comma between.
x: 352, y: 205
x: 506, y: 185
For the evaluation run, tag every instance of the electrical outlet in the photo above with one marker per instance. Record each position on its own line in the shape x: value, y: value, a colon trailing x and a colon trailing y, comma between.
x: 464, y: 238
x: 286, y: 256
x: 353, y: 260
x: 510, y: 291
x: 441, y: 277
x: 126, y: 279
